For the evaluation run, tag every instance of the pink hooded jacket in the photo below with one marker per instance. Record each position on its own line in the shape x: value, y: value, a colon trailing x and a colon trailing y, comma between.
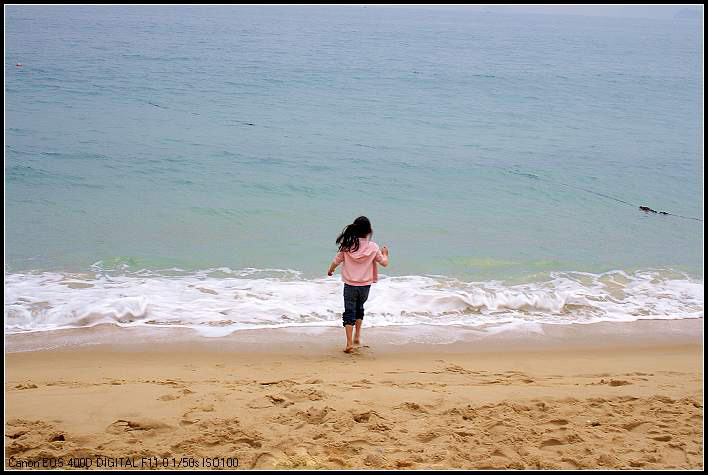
x: 360, y: 266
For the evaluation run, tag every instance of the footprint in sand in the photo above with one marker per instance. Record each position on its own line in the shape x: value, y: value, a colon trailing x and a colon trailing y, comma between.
x: 188, y: 422
x: 122, y: 425
x: 362, y: 417
x: 279, y: 383
x: 337, y: 461
x: 558, y: 422
x: 308, y: 394
x: 551, y: 443
x: 56, y: 437
x: 379, y: 427
x: 279, y: 401
x: 412, y: 407
x: 499, y: 453
x: 264, y: 460
x: 314, y: 415
x: 630, y: 426
x: 168, y: 397
x: 15, y: 435
x: 498, y: 428
x: 614, y: 382
x: 456, y: 369
x: 428, y: 436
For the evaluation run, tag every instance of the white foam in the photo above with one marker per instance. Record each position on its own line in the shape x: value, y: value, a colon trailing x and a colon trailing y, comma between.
x: 217, y: 302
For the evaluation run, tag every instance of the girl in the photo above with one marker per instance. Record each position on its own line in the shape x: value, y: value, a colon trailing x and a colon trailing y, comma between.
x: 358, y: 273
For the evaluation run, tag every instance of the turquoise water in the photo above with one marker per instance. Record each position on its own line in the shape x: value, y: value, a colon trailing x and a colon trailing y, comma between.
x: 484, y: 147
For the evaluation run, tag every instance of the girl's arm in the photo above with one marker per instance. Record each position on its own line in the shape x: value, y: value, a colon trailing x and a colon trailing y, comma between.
x: 384, y: 257
x: 337, y: 260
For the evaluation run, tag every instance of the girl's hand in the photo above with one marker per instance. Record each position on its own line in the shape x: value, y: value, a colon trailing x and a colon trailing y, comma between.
x: 384, y: 251
x: 329, y: 273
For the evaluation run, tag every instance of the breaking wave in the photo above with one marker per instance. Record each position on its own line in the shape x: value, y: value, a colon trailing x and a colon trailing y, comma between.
x: 216, y: 302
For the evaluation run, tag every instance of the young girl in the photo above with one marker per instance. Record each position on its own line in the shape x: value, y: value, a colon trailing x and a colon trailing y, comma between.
x: 358, y: 273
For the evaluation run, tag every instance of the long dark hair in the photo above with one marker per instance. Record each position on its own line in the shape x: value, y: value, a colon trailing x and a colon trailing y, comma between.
x: 348, y: 241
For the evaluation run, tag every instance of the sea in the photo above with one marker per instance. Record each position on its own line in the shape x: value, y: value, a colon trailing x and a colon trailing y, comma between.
x: 191, y: 166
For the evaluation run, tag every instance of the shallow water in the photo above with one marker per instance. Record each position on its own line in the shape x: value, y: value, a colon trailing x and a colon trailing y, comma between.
x: 493, y: 149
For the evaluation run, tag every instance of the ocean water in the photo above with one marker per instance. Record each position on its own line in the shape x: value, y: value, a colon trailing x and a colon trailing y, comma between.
x: 192, y: 166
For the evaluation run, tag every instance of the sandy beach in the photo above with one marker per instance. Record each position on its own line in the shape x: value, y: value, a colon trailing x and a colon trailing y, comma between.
x: 580, y: 396
x: 198, y: 198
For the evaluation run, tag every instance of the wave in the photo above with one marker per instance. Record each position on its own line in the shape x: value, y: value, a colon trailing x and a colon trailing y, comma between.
x: 217, y: 302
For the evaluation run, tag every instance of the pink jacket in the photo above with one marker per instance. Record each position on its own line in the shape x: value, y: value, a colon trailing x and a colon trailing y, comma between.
x: 360, y: 266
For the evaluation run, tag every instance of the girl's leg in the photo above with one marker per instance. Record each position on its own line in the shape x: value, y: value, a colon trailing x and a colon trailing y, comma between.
x: 362, y: 295
x: 357, y: 334
x: 349, y: 315
x: 350, y: 345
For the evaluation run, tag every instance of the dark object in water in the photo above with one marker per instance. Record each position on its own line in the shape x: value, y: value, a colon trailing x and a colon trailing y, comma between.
x: 647, y: 209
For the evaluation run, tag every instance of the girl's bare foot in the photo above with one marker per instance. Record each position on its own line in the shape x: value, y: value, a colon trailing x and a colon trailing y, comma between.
x: 348, y: 349
x: 357, y: 342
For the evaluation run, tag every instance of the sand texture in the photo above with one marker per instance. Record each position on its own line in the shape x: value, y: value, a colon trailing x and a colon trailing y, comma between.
x: 433, y: 406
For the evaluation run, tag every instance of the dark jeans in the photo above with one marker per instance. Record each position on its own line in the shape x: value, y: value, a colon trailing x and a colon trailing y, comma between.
x: 354, y: 298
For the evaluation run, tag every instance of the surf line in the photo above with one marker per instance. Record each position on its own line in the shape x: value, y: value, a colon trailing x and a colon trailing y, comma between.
x: 646, y: 209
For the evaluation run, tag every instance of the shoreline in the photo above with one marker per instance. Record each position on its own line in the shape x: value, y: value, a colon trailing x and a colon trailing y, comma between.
x: 450, y: 338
